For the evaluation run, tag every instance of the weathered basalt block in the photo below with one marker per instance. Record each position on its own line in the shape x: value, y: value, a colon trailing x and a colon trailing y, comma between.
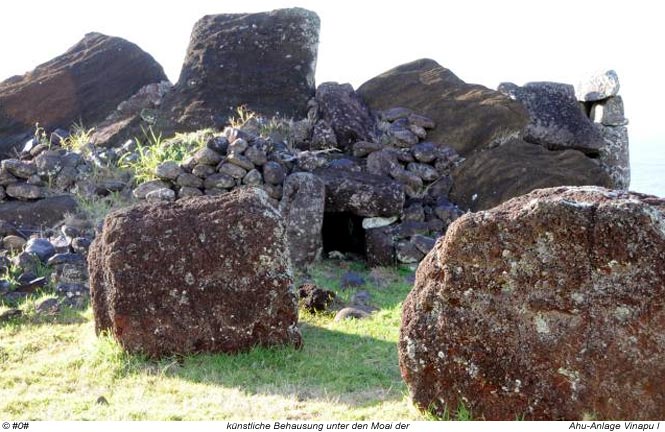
x: 556, y: 120
x: 487, y: 179
x: 346, y: 113
x: 361, y: 194
x: 302, y: 206
x: 468, y: 117
x: 264, y: 61
x: 202, y: 274
x: 548, y: 307
x: 38, y: 214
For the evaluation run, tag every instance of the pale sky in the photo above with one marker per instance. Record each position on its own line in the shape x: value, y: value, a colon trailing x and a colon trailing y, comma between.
x: 483, y: 42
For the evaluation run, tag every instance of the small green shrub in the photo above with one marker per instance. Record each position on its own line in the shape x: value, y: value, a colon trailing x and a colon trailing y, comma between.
x: 79, y: 139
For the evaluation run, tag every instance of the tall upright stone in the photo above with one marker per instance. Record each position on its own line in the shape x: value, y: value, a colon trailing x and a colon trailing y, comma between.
x: 303, y: 204
x: 264, y: 61
x: 599, y: 95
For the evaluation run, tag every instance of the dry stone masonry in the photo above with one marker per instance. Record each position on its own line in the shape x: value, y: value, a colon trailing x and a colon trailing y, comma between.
x: 599, y: 96
x: 400, y: 158
x: 396, y: 184
x: 545, y: 304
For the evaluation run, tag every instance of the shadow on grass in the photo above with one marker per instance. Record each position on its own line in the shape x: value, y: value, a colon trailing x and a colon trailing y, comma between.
x: 387, y: 287
x: 30, y: 317
x: 332, y: 365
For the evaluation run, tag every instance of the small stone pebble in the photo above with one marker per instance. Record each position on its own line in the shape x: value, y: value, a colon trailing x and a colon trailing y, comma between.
x: 352, y: 280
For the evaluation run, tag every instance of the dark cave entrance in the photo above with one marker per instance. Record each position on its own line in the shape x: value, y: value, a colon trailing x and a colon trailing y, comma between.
x: 343, y: 232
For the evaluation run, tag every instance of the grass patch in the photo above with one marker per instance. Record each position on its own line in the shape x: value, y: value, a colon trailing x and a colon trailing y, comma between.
x: 95, y: 208
x: 55, y: 368
x: 153, y: 150
x: 79, y: 140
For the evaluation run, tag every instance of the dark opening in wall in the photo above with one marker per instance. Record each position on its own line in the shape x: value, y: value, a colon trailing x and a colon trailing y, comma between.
x: 343, y: 232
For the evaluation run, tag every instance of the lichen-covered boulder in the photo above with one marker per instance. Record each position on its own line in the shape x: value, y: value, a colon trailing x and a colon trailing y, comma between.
x: 549, y: 306
x: 83, y: 85
x: 206, y: 274
x: 556, y: 120
x: 264, y: 61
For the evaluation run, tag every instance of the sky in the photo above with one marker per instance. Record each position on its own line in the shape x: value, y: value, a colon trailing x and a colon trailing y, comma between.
x: 484, y: 42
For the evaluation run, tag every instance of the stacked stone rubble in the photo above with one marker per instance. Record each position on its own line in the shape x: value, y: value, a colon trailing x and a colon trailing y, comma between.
x: 600, y: 100
x: 30, y: 263
x: 46, y: 168
x: 399, y: 161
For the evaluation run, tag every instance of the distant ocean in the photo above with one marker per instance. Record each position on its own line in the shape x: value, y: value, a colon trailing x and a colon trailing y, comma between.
x: 647, y: 168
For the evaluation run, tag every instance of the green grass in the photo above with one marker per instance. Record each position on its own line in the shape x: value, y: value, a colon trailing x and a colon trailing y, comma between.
x: 13, y: 272
x: 79, y: 139
x: 153, y: 150
x: 55, y: 368
x: 95, y: 208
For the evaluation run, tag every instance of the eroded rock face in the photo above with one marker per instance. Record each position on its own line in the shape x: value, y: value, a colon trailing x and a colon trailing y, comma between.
x: 487, y: 179
x: 548, y: 306
x: 83, y: 85
x: 302, y: 205
x: 265, y: 61
x: 468, y: 117
x: 556, y: 120
x: 203, y: 274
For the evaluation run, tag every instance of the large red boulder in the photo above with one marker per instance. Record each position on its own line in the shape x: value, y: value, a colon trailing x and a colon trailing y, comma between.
x: 549, y: 306
x: 84, y: 85
x: 202, y: 274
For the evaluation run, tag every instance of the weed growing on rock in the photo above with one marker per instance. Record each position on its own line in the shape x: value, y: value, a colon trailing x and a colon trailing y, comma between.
x: 154, y: 149
x: 79, y: 140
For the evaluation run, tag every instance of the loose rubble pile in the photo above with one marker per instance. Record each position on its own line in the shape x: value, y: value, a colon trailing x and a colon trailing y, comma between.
x: 45, y: 167
x: 54, y: 261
